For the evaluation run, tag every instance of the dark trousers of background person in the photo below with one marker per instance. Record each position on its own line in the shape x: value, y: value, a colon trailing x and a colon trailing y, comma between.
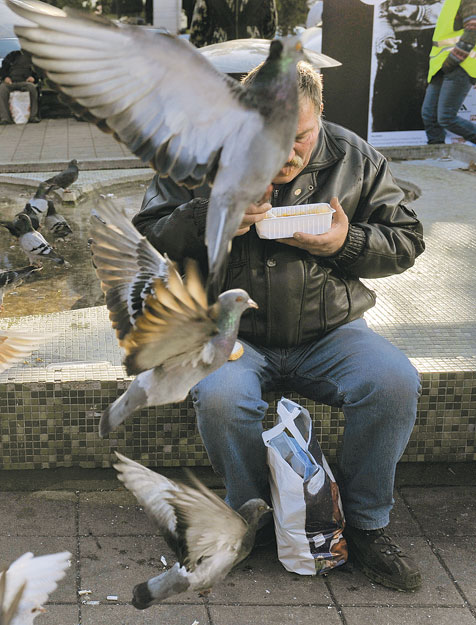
x: 443, y: 99
x: 400, y: 83
x: 6, y: 89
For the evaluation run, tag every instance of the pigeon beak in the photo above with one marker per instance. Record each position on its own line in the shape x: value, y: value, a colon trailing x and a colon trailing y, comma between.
x: 251, y: 303
x: 299, y: 47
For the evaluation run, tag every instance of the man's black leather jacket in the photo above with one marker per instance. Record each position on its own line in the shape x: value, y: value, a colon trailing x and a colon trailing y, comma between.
x: 301, y: 296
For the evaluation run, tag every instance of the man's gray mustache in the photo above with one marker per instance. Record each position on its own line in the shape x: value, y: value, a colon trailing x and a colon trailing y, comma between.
x: 295, y: 162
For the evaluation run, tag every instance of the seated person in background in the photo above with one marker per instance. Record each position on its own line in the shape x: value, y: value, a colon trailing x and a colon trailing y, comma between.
x: 17, y: 74
x: 309, y: 335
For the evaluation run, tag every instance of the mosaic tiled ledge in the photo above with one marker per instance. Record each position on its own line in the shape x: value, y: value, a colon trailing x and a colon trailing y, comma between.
x: 50, y: 406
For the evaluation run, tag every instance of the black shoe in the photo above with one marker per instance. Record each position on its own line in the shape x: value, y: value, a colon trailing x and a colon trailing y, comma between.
x: 34, y: 120
x: 381, y: 560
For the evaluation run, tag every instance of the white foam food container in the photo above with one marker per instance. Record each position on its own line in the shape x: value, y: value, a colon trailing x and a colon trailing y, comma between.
x: 283, y: 221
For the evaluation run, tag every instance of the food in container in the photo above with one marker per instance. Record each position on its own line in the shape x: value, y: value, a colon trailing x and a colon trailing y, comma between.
x: 283, y: 221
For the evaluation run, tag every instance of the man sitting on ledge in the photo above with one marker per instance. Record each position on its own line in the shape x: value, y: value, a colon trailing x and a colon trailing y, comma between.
x: 308, y: 334
x: 17, y: 74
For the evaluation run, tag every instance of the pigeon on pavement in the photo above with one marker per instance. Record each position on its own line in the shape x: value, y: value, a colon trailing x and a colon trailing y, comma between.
x: 13, y: 278
x: 65, y: 178
x: 33, y: 215
x: 171, y: 337
x: 34, y: 244
x: 56, y: 223
x: 208, y: 537
x: 175, y: 110
x: 26, y: 584
x: 17, y: 344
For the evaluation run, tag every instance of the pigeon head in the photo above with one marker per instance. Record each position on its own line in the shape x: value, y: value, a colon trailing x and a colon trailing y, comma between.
x: 233, y: 303
x: 23, y: 224
x: 253, y: 510
x: 73, y: 163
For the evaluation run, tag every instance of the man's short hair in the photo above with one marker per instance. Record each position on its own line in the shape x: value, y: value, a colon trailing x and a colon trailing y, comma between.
x: 309, y: 83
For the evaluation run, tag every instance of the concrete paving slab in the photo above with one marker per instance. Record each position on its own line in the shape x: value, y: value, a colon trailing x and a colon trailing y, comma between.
x: 458, y: 553
x: 351, y: 587
x: 261, y: 579
x: 113, y: 566
x: 448, y: 511
x: 401, y: 521
x: 59, y: 615
x: 43, y: 513
x: 155, y: 615
x: 13, y: 547
x: 244, y: 615
x: 112, y: 513
x: 401, y: 616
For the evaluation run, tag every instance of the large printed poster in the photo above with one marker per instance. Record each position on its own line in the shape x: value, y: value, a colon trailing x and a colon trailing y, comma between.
x: 401, y: 43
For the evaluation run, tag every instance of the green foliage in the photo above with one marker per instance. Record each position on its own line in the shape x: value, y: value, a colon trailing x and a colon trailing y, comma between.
x: 291, y: 13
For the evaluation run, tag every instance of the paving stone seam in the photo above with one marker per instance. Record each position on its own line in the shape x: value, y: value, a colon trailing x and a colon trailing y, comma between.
x: 336, y: 604
x: 77, y: 505
x: 459, y: 590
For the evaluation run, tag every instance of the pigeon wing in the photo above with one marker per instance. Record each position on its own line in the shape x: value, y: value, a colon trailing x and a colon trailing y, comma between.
x: 156, y: 92
x: 206, y: 525
x: 151, y: 490
x: 17, y: 344
x: 39, y: 576
x: 127, y: 265
x: 174, y: 330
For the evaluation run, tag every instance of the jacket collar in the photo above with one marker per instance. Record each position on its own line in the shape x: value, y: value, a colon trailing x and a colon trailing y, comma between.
x: 327, y: 151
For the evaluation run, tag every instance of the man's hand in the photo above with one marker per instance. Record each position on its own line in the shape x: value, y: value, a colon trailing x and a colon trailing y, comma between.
x: 255, y: 212
x: 30, y: 79
x: 325, y: 244
x: 8, y: 80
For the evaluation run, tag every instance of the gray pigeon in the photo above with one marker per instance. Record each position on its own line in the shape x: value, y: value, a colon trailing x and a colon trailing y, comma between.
x: 18, y: 344
x: 65, y: 178
x: 35, y: 218
x: 13, y: 278
x: 34, y: 244
x: 56, y: 223
x: 26, y: 584
x: 175, y: 110
x: 171, y: 337
x: 208, y: 537
x: 38, y: 204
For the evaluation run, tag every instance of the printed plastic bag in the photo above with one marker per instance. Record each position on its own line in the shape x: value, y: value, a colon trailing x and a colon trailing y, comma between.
x: 306, y: 502
x: 20, y: 106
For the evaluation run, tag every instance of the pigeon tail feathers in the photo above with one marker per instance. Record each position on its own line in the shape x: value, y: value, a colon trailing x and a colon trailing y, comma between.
x: 156, y: 589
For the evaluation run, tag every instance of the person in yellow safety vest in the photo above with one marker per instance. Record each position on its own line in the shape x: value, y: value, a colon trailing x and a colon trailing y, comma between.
x: 452, y: 72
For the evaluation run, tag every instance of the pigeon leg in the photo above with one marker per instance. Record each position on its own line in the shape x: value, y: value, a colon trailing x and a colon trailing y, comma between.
x: 135, y: 397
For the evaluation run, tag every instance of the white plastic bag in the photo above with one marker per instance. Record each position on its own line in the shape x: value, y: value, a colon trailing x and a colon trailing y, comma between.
x: 20, y: 106
x: 307, y: 508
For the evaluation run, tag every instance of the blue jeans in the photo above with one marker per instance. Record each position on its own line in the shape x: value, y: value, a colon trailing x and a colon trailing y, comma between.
x: 351, y: 367
x: 443, y: 98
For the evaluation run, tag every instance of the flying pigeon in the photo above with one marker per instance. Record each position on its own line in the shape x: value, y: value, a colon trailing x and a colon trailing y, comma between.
x: 208, y: 537
x: 18, y: 344
x: 10, y: 279
x: 65, y: 178
x: 26, y: 584
x: 56, y: 223
x: 171, y: 337
x: 34, y: 244
x: 175, y: 110
x: 38, y: 204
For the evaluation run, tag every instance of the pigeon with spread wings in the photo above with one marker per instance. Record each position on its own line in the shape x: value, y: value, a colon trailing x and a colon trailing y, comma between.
x: 26, y: 584
x: 173, y: 109
x: 171, y: 337
x: 208, y: 537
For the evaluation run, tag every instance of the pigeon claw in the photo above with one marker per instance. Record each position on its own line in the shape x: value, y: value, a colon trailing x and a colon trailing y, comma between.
x: 141, y: 597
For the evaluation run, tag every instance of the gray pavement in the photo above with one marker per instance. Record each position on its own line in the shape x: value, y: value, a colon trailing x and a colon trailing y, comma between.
x: 114, y: 545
